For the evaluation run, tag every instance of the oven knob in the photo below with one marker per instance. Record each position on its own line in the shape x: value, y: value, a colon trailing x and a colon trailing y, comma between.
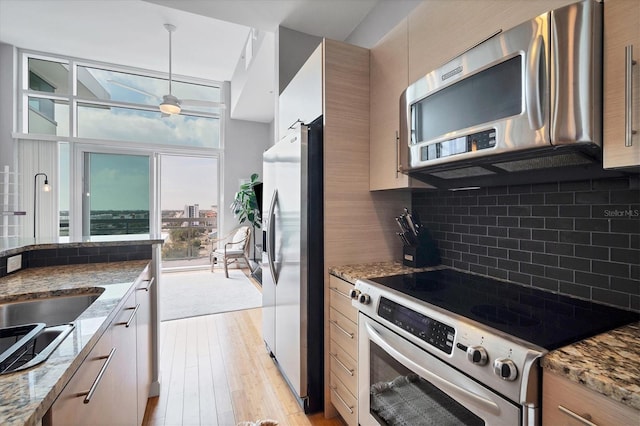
x: 354, y: 293
x: 364, y: 299
x: 477, y: 355
x: 505, y: 369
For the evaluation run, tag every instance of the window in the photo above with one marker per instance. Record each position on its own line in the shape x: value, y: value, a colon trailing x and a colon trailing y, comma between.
x: 109, y: 130
x: 116, y: 194
x: 107, y: 103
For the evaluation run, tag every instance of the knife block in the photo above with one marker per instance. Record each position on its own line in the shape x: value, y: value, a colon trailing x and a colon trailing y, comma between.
x: 425, y: 253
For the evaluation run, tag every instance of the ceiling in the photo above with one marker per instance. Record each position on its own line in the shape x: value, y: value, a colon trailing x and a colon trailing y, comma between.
x: 207, y: 44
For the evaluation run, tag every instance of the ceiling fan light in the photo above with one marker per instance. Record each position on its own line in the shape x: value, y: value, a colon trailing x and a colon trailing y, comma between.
x: 170, y: 105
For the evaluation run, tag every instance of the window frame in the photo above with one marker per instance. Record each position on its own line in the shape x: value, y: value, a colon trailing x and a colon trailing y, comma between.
x: 78, y: 146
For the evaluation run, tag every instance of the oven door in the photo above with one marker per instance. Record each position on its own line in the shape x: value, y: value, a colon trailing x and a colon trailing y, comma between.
x: 401, y: 384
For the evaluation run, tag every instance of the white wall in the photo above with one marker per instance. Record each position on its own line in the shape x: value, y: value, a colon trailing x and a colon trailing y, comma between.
x: 8, y: 105
x: 244, y: 143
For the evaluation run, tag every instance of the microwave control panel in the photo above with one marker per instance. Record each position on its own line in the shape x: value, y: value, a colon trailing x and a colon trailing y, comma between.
x: 470, y: 143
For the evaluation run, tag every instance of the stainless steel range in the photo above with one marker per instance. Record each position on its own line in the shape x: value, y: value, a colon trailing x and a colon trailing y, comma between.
x: 445, y: 347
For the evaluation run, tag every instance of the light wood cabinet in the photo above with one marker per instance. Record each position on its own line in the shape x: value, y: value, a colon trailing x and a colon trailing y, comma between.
x: 343, y: 350
x: 124, y: 398
x: 566, y: 403
x: 389, y: 62
x: 143, y: 340
x: 111, y: 386
x: 74, y: 405
x: 621, y: 81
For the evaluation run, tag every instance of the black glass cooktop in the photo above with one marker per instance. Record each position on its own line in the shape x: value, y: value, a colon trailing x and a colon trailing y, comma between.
x: 543, y: 318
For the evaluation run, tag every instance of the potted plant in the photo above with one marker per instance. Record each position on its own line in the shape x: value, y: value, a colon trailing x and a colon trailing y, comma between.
x: 245, y: 204
x: 245, y: 208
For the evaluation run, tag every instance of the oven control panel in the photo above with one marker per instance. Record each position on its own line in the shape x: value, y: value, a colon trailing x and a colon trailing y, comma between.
x: 431, y: 331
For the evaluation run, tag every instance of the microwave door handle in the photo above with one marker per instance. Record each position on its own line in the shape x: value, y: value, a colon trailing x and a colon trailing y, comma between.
x: 534, y: 83
x: 445, y: 385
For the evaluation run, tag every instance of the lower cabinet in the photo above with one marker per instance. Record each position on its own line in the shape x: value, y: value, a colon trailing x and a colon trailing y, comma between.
x: 87, y: 398
x: 343, y: 350
x: 111, y: 387
x: 123, y: 333
x: 143, y: 340
x: 566, y: 403
x: 103, y: 390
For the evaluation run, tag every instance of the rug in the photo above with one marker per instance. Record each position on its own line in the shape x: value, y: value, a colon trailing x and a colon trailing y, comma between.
x: 194, y: 293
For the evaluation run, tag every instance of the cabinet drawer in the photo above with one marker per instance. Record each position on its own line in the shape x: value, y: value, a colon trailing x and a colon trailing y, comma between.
x: 344, y: 367
x: 70, y: 407
x: 344, y: 402
x: 344, y: 332
x: 565, y: 403
x: 340, y: 299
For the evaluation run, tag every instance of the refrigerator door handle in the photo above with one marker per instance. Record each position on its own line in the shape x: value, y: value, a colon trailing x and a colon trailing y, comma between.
x: 271, y: 240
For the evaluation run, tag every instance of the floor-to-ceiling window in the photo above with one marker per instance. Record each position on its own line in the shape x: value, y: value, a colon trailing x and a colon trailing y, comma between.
x: 189, y: 209
x: 108, y: 132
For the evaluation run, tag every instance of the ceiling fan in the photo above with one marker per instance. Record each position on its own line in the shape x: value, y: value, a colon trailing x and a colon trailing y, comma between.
x: 170, y: 104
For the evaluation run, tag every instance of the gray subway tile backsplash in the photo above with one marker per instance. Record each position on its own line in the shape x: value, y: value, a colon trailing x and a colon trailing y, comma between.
x: 578, y: 238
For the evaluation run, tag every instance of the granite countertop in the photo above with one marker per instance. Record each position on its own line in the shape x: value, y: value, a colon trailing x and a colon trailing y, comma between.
x: 352, y: 273
x: 27, y: 395
x: 14, y: 245
x: 608, y: 363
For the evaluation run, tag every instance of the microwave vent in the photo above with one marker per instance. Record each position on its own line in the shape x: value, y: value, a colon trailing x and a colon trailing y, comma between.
x: 563, y: 160
x: 462, y: 173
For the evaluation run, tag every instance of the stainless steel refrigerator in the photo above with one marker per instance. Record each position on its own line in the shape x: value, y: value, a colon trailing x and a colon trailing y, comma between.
x: 293, y: 262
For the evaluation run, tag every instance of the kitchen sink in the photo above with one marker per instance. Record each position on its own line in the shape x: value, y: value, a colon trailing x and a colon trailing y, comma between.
x: 25, y: 346
x: 51, y: 311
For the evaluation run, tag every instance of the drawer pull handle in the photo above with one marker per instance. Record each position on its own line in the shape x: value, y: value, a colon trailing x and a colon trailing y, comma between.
x: 336, y: 290
x: 628, y: 95
x: 133, y: 315
x: 334, y: 322
x: 89, y: 394
x: 341, y: 364
x: 347, y: 406
x: 586, y: 419
x: 150, y: 283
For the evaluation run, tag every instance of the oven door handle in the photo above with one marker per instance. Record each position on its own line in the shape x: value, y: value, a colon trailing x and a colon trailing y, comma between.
x: 450, y: 388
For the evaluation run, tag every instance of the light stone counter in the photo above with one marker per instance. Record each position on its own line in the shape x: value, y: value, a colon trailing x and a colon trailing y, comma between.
x: 25, y: 396
x: 608, y: 363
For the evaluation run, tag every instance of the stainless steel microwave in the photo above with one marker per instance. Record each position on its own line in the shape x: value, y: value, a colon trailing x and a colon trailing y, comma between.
x: 532, y: 88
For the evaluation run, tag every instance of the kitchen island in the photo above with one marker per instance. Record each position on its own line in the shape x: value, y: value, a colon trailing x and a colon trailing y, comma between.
x: 27, y: 395
x: 106, y: 266
x: 608, y: 363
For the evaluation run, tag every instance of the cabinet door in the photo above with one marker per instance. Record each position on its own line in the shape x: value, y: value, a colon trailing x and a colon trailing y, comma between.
x: 123, y: 330
x: 143, y: 341
x: 568, y: 403
x: 74, y: 406
x: 301, y: 100
x: 621, y: 29
x: 389, y: 77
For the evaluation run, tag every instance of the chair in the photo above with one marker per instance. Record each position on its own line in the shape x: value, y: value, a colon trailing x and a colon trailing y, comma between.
x: 236, y: 247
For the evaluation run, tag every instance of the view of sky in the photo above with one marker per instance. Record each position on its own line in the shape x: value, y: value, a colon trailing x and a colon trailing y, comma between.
x: 188, y: 180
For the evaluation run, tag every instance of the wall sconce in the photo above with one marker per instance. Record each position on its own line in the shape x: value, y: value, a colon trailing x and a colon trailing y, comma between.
x: 45, y: 188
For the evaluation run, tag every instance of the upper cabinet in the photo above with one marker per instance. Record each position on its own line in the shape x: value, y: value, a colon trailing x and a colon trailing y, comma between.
x: 389, y: 63
x: 301, y: 100
x: 621, y: 90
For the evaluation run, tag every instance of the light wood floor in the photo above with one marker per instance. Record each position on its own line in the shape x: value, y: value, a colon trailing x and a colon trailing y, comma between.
x: 215, y: 370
